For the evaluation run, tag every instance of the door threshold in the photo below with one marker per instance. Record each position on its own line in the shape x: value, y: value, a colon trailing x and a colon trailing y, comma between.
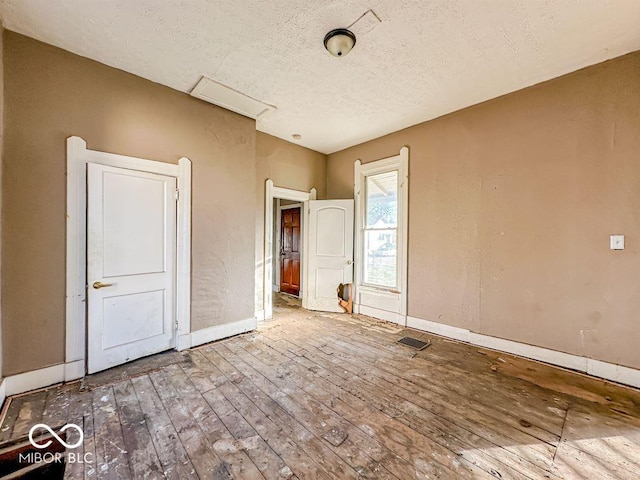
x: 291, y: 295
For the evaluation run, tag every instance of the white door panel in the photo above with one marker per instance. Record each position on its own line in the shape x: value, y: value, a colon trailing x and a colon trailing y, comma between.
x: 330, y: 253
x: 145, y: 224
x: 131, y: 251
x: 120, y: 325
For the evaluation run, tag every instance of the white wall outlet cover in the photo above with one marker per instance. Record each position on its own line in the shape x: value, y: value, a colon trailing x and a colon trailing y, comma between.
x: 617, y: 242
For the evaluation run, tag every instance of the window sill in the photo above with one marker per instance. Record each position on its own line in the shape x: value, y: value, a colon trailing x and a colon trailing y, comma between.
x: 377, y: 288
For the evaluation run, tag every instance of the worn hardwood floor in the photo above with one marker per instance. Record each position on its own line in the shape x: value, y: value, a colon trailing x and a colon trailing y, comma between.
x: 335, y: 397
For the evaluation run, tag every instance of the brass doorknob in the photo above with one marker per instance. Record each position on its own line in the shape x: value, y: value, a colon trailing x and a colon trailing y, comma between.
x: 98, y: 285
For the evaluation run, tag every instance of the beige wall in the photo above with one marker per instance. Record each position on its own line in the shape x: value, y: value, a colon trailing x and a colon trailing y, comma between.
x: 511, y: 206
x: 289, y: 166
x: 51, y: 94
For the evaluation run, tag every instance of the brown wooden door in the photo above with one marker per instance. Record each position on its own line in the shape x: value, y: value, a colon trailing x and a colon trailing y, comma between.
x: 290, y: 251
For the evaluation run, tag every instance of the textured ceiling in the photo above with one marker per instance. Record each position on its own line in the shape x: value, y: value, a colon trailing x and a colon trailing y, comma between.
x: 427, y: 58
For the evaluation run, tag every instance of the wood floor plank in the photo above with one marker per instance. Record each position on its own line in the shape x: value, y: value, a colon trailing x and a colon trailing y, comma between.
x: 56, y: 408
x: 328, y: 396
x: 607, y: 437
x: 571, y: 463
x: 403, y: 441
x: 362, y: 364
x: 10, y: 418
x: 303, y: 466
x: 546, y: 423
x: 407, y: 397
x: 141, y: 452
x: 427, y: 385
x: 111, y: 454
x: 80, y: 405
x: 461, y: 441
x: 172, y: 455
x: 474, y: 387
x: 323, y: 392
x: 206, y: 461
x: 208, y: 376
x: 510, y: 389
x: 89, y: 444
x: 309, y: 457
x: 257, y: 387
x: 31, y: 410
x: 245, y: 437
x: 238, y: 462
x: 545, y: 376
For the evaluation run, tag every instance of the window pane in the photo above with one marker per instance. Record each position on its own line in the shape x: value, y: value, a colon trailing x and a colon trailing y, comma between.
x: 380, y: 260
x: 382, y: 200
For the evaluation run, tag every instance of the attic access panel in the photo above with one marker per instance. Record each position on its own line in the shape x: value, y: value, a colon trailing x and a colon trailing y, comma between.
x: 226, y: 97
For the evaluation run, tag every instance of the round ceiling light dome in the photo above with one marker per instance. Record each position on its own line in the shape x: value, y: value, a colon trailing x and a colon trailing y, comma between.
x: 339, y: 42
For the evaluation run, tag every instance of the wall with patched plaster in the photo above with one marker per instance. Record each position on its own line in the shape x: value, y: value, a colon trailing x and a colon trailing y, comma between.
x: 51, y: 94
x: 511, y: 204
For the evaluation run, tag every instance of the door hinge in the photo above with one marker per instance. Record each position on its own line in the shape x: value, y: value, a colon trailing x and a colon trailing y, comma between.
x: 177, y: 194
x: 176, y: 325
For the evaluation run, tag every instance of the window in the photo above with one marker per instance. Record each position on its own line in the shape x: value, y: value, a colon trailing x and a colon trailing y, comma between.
x: 381, y: 191
x: 381, y: 230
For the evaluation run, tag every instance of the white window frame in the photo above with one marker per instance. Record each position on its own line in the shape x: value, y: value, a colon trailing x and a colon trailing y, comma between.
x: 396, y: 287
x: 387, y: 303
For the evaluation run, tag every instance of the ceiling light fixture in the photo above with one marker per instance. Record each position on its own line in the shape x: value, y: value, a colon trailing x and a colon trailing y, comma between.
x: 339, y: 42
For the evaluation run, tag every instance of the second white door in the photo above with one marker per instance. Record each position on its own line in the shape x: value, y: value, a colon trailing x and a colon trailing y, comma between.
x: 131, y: 257
x: 329, y: 256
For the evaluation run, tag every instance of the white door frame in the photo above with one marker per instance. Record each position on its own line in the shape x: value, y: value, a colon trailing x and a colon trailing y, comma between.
x: 78, y: 156
x: 390, y: 304
x: 272, y: 192
x: 279, y: 208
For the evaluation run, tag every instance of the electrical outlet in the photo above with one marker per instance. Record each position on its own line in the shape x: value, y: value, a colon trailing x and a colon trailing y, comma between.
x: 617, y: 242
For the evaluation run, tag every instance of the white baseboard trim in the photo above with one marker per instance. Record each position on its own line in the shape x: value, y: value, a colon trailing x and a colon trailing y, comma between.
x: 3, y: 392
x: 73, y: 370
x: 64, y: 372
x: 611, y: 371
x: 381, y: 314
x: 218, y: 332
x: 24, y: 382
x: 597, y: 368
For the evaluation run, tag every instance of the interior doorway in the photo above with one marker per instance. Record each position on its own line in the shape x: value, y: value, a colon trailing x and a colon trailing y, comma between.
x: 289, y: 248
x: 274, y: 197
x: 326, y: 248
x: 116, y: 207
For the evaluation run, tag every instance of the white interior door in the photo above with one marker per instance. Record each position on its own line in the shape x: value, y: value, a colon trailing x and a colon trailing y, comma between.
x: 131, y: 256
x: 329, y: 256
